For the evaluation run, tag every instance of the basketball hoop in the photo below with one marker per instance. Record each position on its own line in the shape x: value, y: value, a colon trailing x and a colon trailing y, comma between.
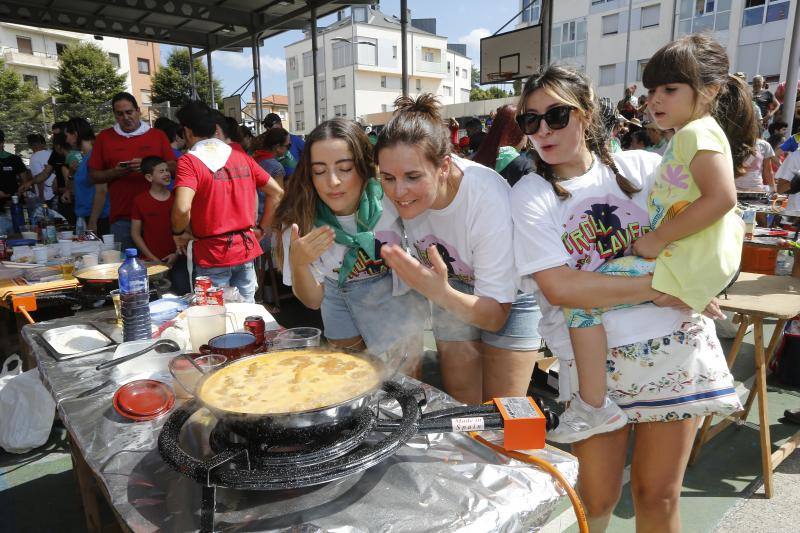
x: 499, y: 77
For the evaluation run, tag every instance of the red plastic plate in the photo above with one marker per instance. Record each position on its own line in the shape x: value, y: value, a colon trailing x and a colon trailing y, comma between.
x: 143, y: 399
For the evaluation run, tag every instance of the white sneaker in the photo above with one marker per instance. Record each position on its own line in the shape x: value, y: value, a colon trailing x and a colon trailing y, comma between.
x: 581, y: 421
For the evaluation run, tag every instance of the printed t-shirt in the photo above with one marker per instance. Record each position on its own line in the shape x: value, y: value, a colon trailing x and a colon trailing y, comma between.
x: 38, y: 162
x: 791, y: 144
x: 156, y: 225
x: 787, y: 171
x: 596, y: 223
x: 752, y: 179
x: 110, y: 148
x: 224, y: 203
x: 388, y: 230
x: 472, y: 234
x: 85, y: 191
x: 697, y: 267
x: 11, y: 166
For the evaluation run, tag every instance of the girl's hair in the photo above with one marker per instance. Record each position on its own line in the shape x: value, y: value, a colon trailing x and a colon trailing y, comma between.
x: 504, y: 132
x: 573, y: 87
x: 299, y: 204
x: 642, y: 137
x: 271, y: 138
x: 701, y: 62
x: 417, y: 123
x: 82, y: 128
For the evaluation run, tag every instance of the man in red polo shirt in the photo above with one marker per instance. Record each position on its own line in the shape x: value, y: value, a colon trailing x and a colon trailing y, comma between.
x: 116, y: 156
x: 215, y: 204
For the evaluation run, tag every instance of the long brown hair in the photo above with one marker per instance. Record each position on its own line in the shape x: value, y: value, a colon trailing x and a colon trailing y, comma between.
x: 417, y: 123
x: 504, y: 132
x: 700, y: 61
x: 574, y: 88
x: 299, y: 204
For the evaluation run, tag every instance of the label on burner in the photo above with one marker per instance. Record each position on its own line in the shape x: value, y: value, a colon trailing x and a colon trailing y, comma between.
x: 468, y: 424
x: 518, y: 407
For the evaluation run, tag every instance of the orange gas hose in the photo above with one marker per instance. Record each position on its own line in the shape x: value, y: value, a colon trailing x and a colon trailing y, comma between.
x: 27, y: 315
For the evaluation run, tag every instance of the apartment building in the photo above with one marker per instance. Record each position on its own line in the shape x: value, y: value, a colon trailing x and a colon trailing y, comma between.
x: 598, y: 35
x: 145, y: 59
x: 360, y: 72
x: 34, y: 52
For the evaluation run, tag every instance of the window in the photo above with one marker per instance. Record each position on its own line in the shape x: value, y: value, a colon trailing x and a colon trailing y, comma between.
x: 569, y: 39
x: 24, y: 45
x: 762, y: 11
x: 384, y: 108
x: 298, y: 95
x: 60, y: 49
x: 143, y: 43
x: 367, y: 51
x: 610, y: 24
x: 532, y: 12
x: 650, y: 16
x: 608, y: 75
x: 465, y: 95
x: 640, y: 66
x: 30, y: 78
x: 308, y: 65
x: 359, y: 14
x: 144, y: 98
x: 383, y: 81
x: 342, y: 53
x: 299, y: 121
x: 703, y: 15
x: 394, y: 52
x: 321, y: 90
x: 340, y: 110
x: 114, y: 60
x: 464, y: 73
x: 427, y: 55
x: 291, y: 63
x: 419, y: 84
x: 447, y: 90
x: 144, y: 65
x: 339, y: 82
x: 448, y: 68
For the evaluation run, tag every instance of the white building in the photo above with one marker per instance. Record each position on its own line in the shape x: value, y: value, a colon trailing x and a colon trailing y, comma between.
x: 593, y: 34
x: 34, y: 52
x: 355, y: 84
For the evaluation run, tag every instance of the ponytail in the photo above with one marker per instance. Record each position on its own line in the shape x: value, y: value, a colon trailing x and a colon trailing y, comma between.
x: 417, y: 123
x: 733, y: 111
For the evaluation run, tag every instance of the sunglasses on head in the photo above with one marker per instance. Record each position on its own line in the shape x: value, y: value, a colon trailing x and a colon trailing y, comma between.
x: 556, y: 118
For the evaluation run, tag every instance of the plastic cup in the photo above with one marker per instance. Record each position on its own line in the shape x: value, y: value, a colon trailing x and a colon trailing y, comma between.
x: 64, y: 235
x: 206, y: 322
x: 186, y: 375
x: 67, y: 267
x: 40, y: 254
x: 297, y: 338
x: 115, y: 298
x: 110, y: 256
x: 108, y: 238
x: 65, y: 247
x: 29, y: 235
x: 89, y: 260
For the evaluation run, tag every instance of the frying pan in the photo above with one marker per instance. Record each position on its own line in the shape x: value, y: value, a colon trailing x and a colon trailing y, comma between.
x: 106, y: 275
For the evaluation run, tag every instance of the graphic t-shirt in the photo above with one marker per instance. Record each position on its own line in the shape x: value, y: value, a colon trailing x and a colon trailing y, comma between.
x: 11, y: 166
x: 472, y: 234
x: 697, y: 267
x: 752, y: 180
x: 596, y: 223
x: 786, y: 172
x: 156, y: 226
x: 110, y: 148
x: 223, y: 209
x: 38, y: 162
x: 388, y: 230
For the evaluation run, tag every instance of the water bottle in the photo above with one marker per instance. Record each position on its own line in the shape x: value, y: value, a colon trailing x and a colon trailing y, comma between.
x: 134, y: 298
x: 80, y: 226
x: 17, y: 215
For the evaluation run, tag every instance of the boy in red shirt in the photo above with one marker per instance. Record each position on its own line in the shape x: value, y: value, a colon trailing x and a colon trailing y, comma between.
x: 150, y: 223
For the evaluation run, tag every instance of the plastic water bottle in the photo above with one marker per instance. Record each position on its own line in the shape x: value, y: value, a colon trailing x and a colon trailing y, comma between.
x: 134, y: 297
x: 17, y: 214
x: 80, y: 226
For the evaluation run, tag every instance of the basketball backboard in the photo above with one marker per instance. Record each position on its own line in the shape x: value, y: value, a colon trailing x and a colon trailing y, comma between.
x: 232, y: 107
x: 511, y: 55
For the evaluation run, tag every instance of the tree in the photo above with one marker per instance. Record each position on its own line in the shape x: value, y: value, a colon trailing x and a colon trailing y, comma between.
x: 173, y: 82
x: 20, y: 106
x: 475, y: 77
x: 85, y: 83
x: 487, y: 94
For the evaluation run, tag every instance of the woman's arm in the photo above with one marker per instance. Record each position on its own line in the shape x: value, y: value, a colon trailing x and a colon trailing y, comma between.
x: 565, y: 287
x: 481, y: 311
x: 99, y: 202
x: 714, y: 177
x: 768, y: 175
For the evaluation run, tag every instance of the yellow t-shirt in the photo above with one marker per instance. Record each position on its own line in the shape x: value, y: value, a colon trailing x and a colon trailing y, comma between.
x: 699, y: 266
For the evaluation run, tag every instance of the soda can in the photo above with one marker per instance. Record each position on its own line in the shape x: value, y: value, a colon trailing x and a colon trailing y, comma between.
x: 214, y: 296
x: 199, y: 296
x: 201, y: 286
x: 256, y: 325
x: 203, y: 282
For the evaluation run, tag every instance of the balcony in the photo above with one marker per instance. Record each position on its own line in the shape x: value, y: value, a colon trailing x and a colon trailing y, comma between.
x: 12, y: 56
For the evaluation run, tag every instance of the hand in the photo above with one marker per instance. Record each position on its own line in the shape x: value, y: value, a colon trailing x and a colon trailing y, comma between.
x: 260, y: 233
x: 649, y: 245
x: 181, y: 241
x: 305, y: 250
x: 713, y: 311
x: 430, y: 282
x: 170, y: 259
x: 666, y: 300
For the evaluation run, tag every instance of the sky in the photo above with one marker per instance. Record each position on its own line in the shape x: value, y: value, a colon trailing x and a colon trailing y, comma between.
x: 461, y: 21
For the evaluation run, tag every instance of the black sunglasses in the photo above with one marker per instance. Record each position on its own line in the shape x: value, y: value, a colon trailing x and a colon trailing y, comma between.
x: 556, y: 118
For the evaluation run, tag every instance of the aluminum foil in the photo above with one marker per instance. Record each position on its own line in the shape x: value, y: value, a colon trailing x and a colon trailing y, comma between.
x: 440, y: 482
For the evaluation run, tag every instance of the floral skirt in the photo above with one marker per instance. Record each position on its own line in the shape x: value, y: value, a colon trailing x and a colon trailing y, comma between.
x: 681, y: 375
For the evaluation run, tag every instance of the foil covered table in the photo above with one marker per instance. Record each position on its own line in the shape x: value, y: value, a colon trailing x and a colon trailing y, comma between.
x: 439, y: 482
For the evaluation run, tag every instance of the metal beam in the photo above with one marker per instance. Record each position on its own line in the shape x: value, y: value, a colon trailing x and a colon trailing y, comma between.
x: 192, y: 10
x: 790, y: 96
x: 257, y: 82
x: 404, y: 44
x: 210, y: 79
x: 314, y: 51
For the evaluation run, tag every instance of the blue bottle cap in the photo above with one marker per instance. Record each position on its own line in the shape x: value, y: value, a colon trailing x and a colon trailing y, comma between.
x: 131, y: 252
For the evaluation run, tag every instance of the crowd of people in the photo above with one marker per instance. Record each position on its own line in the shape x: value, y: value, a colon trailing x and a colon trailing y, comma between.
x: 603, y: 231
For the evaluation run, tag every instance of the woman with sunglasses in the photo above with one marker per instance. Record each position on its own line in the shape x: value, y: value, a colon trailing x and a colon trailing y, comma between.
x: 665, y: 366
x: 456, y: 217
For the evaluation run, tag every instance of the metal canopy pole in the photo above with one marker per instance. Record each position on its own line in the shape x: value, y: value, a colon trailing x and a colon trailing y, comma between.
x: 314, y: 62
x: 257, y: 82
x: 790, y: 96
x: 210, y: 80
x: 628, y: 44
x: 403, y: 43
x: 193, y: 94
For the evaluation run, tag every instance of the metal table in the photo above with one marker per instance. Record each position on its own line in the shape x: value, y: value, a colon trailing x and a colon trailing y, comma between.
x: 443, y: 482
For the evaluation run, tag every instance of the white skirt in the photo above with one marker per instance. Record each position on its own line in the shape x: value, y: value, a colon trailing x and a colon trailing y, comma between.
x: 677, y: 376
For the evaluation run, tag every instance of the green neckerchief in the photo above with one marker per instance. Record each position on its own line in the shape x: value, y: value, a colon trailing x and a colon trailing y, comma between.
x: 4, y: 154
x: 505, y: 156
x: 367, y: 216
x: 288, y: 161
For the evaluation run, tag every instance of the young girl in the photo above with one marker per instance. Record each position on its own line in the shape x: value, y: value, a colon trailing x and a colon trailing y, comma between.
x: 456, y: 217
x: 665, y: 366
x: 334, y: 222
x: 694, y: 247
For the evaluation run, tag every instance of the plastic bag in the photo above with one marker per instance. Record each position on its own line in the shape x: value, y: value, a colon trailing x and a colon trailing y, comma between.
x: 26, y: 408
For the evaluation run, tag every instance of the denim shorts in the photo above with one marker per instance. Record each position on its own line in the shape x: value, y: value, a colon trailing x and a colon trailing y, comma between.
x: 243, y: 277
x: 520, y: 332
x: 366, y: 308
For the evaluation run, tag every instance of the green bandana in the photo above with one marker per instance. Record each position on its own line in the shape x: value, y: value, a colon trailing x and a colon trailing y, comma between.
x: 505, y: 156
x: 367, y: 216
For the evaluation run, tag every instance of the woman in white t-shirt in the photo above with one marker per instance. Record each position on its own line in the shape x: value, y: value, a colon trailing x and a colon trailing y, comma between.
x: 759, y: 175
x: 456, y: 216
x: 664, y: 366
x: 334, y: 221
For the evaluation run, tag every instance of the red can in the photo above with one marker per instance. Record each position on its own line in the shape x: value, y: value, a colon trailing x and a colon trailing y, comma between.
x: 214, y: 296
x: 201, y: 286
x: 256, y: 325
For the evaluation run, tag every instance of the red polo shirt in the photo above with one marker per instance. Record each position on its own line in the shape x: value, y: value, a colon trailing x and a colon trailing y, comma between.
x: 110, y: 148
x: 156, y: 225
x: 224, y: 202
